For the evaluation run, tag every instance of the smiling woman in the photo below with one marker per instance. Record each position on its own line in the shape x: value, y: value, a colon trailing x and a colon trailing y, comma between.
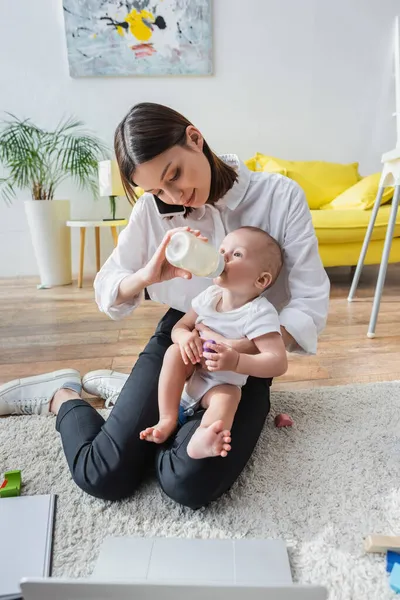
x: 161, y: 151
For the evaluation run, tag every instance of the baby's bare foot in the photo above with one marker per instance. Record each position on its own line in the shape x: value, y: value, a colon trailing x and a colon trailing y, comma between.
x: 213, y: 440
x: 160, y: 432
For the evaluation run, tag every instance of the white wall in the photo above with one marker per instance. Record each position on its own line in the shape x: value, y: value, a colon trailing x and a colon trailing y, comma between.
x: 298, y: 79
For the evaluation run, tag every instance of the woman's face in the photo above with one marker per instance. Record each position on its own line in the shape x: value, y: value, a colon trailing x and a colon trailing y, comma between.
x: 180, y: 175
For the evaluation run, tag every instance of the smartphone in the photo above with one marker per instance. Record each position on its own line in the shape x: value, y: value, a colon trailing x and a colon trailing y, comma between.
x: 168, y: 210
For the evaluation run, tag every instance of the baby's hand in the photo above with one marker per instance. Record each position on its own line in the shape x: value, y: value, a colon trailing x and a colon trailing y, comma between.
x: 223, y: 358
x: 191, y: 347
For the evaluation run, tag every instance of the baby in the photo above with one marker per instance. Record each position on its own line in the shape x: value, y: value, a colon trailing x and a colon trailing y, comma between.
x: 213, y: 377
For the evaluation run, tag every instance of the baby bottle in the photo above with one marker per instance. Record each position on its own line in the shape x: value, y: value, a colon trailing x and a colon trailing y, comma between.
x: 186, y: 251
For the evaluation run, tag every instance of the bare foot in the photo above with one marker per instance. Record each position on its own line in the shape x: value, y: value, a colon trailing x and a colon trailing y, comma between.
x: 213, y: 440
x: 160, y: 432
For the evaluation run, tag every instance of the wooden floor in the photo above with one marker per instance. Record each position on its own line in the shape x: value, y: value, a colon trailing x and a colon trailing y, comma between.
x: 45, y: 330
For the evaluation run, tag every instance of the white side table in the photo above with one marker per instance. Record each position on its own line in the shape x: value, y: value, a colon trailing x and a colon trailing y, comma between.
x: 96, y: 224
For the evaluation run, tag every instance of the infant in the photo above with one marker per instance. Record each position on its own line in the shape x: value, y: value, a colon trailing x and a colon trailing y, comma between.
x: 211, y: 376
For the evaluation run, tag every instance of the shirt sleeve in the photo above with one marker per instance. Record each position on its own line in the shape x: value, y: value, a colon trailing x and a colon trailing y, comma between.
x: 129, y: 256
x: 204, y: 299
x: 304, y: 317
x: 263, y: 318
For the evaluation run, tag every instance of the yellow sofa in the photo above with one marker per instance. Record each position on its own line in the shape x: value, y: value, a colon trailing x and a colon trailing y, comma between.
x: 340, y: 208
x: 341, y: 233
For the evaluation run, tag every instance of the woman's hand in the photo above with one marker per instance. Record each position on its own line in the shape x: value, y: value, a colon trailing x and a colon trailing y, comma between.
x: 208, y: 334
x: 158, y: 268
x: 243, y: 345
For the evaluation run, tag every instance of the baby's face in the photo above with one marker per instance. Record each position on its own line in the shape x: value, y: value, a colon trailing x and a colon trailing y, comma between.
x: 244, y: 253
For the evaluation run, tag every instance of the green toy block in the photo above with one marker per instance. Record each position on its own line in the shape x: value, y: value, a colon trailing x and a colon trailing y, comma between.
x: 11, y: 484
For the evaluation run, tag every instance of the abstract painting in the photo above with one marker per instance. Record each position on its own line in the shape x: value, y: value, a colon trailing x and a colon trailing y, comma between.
x: 138, y: 37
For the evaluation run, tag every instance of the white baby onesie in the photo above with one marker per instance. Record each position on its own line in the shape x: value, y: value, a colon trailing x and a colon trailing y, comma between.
x: 252, y: 320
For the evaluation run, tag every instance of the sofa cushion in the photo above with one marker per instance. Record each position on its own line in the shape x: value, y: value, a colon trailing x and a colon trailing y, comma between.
x: 341, y: 226
x: 321, y: 181
x: 274, y: 167
x: 342, y: 255
x: 252, y: 164
x: 361, y: 195
x: 271, y: 166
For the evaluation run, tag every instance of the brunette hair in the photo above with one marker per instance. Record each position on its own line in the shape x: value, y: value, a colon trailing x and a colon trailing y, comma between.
x: 150, y: 129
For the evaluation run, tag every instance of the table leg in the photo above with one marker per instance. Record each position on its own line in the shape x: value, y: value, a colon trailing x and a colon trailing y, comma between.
x: 114, y: 233
x: 81, y: 256
x: 97, y: 237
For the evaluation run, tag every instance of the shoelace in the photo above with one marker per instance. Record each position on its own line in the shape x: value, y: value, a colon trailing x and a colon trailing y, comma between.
x: 108, y: 394
x: 30, y: 406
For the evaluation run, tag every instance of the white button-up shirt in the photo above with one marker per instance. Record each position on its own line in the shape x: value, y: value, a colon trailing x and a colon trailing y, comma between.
x: 266, y: 200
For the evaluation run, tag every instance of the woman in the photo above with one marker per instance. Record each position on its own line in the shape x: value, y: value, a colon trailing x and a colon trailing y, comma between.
x: 162, y: 152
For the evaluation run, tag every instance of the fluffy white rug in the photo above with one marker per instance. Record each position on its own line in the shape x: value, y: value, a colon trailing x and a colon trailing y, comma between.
x: 322, y: 486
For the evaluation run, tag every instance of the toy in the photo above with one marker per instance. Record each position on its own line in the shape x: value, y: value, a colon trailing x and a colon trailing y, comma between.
x: 391, y: 545
x: 206, y: 348
x: 283, y: 420
x: 392, y: 558
x: 11, y: 485
x: 394, y: 579
x: 382, y: 543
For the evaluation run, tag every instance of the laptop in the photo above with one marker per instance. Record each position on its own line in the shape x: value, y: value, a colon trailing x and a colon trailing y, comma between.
x: 60, y: 589
x: 175, y: 569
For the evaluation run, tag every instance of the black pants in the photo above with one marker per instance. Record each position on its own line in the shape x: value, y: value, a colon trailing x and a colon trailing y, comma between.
x: 108, y: 460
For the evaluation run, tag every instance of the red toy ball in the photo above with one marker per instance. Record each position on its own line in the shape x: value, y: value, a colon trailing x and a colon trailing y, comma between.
x: 283, y: 420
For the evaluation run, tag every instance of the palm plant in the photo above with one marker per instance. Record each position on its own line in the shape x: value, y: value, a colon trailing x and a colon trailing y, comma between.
x: 41, y: 160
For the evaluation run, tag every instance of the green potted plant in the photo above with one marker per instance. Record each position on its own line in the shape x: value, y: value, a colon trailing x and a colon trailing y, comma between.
x: 41, y: 160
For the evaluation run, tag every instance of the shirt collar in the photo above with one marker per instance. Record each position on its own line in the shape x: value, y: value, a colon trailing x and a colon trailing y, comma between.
x: 235, y: 195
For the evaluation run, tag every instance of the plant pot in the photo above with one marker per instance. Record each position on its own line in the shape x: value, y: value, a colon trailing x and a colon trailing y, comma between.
x: 51, y: 239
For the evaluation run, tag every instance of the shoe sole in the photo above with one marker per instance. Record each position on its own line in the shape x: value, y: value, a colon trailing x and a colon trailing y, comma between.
x: 62, y: 374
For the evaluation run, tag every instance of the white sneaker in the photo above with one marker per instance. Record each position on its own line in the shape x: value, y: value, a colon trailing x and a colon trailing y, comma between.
x: 32, y: 395
x: 105, y: 384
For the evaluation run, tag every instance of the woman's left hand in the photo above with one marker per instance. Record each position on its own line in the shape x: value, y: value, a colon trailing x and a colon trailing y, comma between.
x: 243, y: 345
x: 208, y: 334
